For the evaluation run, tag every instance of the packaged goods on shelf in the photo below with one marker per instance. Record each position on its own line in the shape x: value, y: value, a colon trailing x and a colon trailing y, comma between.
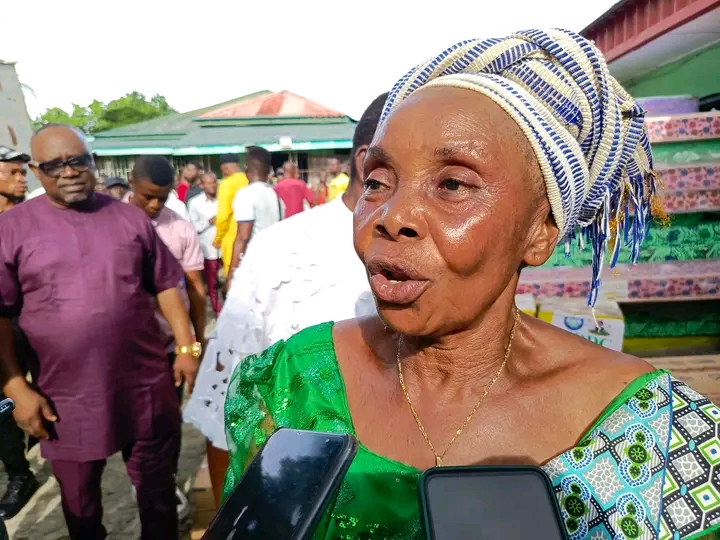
x: 684, y: 127
x: 666, y: 281
x: 683, y: 202
x: 677, y: 328
x: 526, y: 303
x: 648, y: 347
x: 669, y: 105
x: 689, y: 237
x: 672, y: 319
x: 696, y: 153
x: 689, y: 178
x: 574, y: 315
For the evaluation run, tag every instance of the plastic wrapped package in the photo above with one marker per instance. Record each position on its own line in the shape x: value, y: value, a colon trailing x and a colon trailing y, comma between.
x: 526, y: 303
x: 687, y: 154
x: 688, y: 237
x: 689, y: 178
x: 684, y: 202
x: 677, y: 280
x: 686, y: 127
x: 669, y: 105
x: 574, y: 315
x: 672, y: 319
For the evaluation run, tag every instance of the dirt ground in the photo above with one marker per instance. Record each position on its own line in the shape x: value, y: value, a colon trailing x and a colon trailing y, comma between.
x: 42, y: 518
x: 701, y: 372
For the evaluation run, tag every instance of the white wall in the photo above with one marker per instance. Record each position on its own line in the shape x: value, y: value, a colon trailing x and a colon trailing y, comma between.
x: 15, y: 124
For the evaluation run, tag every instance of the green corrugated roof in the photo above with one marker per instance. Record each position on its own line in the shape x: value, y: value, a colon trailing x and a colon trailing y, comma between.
x: 173, y: 124
x: 185, y: 134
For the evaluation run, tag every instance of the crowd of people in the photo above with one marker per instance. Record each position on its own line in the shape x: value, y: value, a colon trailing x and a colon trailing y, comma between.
x: 398, y: 327
x: 104, y: 285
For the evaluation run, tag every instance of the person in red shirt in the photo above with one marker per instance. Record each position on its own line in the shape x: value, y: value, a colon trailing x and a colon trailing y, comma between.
x: 188, y: 177
x: 293, y: 191
x: 321, y: 190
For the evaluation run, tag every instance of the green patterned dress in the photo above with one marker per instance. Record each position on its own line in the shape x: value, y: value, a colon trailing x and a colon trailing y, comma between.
x: 649, y: 468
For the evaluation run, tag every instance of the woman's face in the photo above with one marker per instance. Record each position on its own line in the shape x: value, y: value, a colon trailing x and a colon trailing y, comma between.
x: 453, y: 205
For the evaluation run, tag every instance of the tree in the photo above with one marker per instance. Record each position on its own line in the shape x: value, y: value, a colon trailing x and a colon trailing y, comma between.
x: 98, y: 116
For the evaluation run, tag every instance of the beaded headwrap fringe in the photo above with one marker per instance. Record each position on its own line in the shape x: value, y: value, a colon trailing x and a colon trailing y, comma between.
x: 586, y: 131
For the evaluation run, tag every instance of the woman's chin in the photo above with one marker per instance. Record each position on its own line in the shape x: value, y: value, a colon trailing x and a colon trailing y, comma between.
x: 408, y: 320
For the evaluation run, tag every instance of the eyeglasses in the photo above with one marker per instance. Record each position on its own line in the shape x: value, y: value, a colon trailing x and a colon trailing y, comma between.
x: 56, y: 167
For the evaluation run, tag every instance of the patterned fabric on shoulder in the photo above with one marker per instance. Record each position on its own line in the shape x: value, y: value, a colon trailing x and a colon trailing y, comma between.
x: 651, y: 470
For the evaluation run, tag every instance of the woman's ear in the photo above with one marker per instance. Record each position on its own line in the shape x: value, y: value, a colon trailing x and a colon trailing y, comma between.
x: 359, y: 158
x: 542, y: 240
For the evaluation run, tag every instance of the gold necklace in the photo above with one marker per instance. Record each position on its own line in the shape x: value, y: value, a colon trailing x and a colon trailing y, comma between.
x: 439, y: 457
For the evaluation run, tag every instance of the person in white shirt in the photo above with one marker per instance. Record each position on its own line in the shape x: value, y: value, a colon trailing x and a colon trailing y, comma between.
x: 203, y: 210
x: 295, y: 274
x: 256, y: 206
x: 176, y: 205
x: 36, y: 193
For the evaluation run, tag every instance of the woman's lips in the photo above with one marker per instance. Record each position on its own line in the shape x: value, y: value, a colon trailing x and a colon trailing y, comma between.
x: 401, y: 292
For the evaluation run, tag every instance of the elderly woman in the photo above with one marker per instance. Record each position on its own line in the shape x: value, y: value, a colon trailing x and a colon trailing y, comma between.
x: 488, y: 156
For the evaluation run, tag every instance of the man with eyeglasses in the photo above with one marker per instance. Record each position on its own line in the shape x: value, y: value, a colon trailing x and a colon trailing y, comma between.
x: 82, y: 270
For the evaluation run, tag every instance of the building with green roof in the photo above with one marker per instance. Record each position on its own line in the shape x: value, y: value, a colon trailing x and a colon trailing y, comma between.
x: 290, y: 126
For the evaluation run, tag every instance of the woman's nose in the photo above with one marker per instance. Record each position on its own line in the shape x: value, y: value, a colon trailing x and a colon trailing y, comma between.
x: 400, y: 218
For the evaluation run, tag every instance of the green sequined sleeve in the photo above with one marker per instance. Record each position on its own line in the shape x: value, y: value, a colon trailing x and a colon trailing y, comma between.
x: 247, y: 420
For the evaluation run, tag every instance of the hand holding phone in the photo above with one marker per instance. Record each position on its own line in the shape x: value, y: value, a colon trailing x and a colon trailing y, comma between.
x: 33, y: 412
x: 287, y: 487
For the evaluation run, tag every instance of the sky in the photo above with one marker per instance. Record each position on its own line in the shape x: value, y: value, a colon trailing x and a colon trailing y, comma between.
x: 200, y: 53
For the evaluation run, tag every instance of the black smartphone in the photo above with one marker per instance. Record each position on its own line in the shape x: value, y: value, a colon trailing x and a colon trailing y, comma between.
x: 7, y: 406
x: 287, y: 487
x: 484, y: 503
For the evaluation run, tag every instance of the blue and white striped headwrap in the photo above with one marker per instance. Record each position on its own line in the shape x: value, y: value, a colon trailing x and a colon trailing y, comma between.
x: 587, y: 133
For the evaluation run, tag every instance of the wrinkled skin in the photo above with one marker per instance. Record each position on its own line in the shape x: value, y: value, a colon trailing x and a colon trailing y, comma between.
x: 71, y: 188
x: 454, y: 198
x: 446, y: 194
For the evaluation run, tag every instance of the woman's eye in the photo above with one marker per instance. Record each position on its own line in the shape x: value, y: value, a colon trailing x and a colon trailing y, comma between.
x: 372, y: 184
x: 450, y: 184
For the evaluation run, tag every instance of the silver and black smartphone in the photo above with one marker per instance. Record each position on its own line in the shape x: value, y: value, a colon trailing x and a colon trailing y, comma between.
x: 487, y: 503
x: 7, y: 406
x: 287, y: 487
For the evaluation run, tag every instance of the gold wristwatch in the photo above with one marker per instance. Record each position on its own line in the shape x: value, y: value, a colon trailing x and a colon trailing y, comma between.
x: 194, y: 350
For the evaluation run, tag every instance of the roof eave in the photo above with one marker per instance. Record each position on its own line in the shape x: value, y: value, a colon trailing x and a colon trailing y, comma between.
x: 189, y: 115
x: 272, y: 121
x: 140, y: 136
x: 632, y: 24
x: 605, y: 17
x: 216, y: 149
